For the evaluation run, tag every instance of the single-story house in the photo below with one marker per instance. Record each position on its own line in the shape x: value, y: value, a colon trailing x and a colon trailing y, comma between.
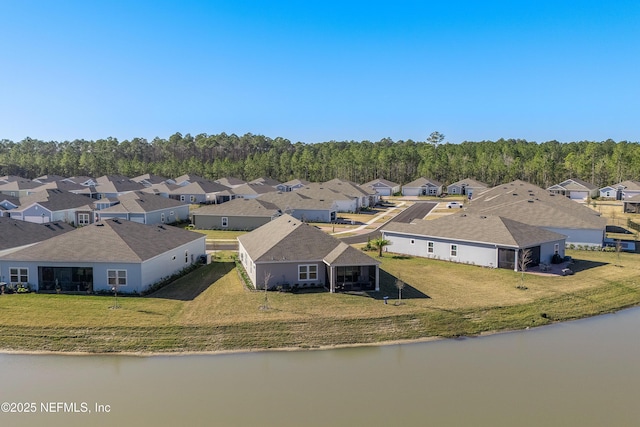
x: 265, y: 180
x: 251, y: 191
x: 621, y: 191
x: 149, y: 179
x: 45, y: 179
x: 422, y: 187
x: 289, y: 253
x: 202, y: 192
x: 632, y: 205
x: 237, y: 214
x: 530, y: 204
x: 303, y: 207
x: 146, y: 208
x: 575, y: 189
x: 343, y: 202
x: 20, y: 234
x: 54, y: 205
x: 86, y: 181
x: 382, y: 187
x: 292, y: 185
x: 466, y: 187
x: 100, y: 257
x: 115, y: 185
x: 19, y: 187
x: 366, y: 197
x: 8, y: 203
x: 487, y: 241
x: 230, y: 182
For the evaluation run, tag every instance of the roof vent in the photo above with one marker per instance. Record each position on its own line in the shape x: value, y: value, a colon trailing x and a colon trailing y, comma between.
x: 483, y: 217
x: 530, y: 201
x: 99, y: 224
x: 515, y: 194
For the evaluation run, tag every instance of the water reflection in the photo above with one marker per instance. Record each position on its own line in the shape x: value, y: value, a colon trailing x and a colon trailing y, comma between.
x: 575, y: 374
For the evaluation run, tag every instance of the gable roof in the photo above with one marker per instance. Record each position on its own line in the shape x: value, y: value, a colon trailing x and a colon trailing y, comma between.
x: 108, y: 241
x: 240, y: 207
x: 574, y: 184
x: 380, y: 182
x: 627, y: 185
x: 142, y: 202
x: 288, y: 239
x: 116, y: 184
x: 252, y: 189
x: 56, y: 200
x: 149, y: 179
x: 200, y: 187
x: 230, y: 181
x: 297, y: 200
x: 48, y: 178
x: 265, y: 180
x: 422, y: 182
x: 19, y: 184
x: 14, y: 233
x: 478, y: 228
x: 469, y: 182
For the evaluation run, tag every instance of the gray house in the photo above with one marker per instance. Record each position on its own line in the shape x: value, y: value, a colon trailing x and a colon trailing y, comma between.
x: 238, y: 214
x: 202, y: 192
x: 529, y: 204
x: 303, y: 207
x: 102, y: 256
x: 287, y: 252
x: 466, y: 187
x: 488, y: 241
x: 54, y: 205
x: 422, y: 187
x: 146, y: 208
x: 115, y: 185
x: 383, y: 187
x: 292, y: 185
x: 8, y: 203
x: 575, y: 189
x: 621, y: 191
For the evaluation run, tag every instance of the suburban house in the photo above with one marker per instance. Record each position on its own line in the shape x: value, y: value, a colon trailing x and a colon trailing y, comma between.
x: 466, y: 187
x: 575, y: 189
x: 145, y: 208
x: 115, y: 185
x: 149, y: 179
x: 303, y: 207
x: 621, y: 191
x: 265, y: 180
x: 230, y: 182
x: 106, y: 255
x: 71, y: 187
x: 529, y: 204
x: 8, y: 203
x: 186, y: 179
x: 20, y: 234
x: 343, y: 202
x: 202, y: 192
x: 487, y: 241
x: 237, y: 214
x: 382, y: 187
x: 163, y: 189
x: 251, y: 191
x: 54, y: 205
x: 87, y: 181
x: 45, y: 179
x: 292, y: 185
x: 19, y: 187
x: 289, y: 253
x: 366, y: 197
x: 422, y: 187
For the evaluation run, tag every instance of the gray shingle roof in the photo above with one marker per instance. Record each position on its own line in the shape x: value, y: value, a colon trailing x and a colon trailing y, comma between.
x: 384, y: 182
x: 200, y: 187
x: 288, y: 239
x: 15, y: 233
x: 527, y: 203
x: 56, y: 200
x: 240, y: 207
x: 108, y: 241
x: 420, y: 182
x: 142, y: 202
x: 252, y: 189
x: 478, y: 228
x: 469, y: 182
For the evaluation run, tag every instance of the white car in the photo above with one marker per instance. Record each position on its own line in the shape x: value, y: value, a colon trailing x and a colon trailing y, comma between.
x: 454, y: 205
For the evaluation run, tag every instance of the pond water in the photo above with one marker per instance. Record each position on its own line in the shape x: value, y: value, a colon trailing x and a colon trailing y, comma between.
x: 582, y: 373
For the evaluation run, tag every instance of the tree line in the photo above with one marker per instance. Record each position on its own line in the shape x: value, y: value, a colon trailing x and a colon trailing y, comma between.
x: 251, y: 156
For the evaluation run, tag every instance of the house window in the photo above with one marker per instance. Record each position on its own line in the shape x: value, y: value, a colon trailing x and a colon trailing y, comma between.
x: 19, y: 275
x: 186, y: 256
x: 162, y: 217
x: 454, y: 250
x: 83, y: 219
x: 225, y: 221
x: 171, y: 213
x: 307, y: 272
x: 429, y: 247
x: 413, y: 241
x: 117, y: 277
x: 182, y: 199
x: 192, y: 199
x: 556, y: 248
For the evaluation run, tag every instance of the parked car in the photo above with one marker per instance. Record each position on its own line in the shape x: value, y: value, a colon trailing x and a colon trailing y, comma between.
x: 454, y: 205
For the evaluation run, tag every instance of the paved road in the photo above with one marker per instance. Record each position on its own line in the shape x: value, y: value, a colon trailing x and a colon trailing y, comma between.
x: 417, y: 211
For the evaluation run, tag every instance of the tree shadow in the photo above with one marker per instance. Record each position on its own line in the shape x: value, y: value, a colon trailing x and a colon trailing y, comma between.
x: 388, y: 288
x: 190, y: 286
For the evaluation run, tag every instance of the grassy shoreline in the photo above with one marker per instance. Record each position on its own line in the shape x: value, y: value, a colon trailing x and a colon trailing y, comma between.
x: 209, y: 311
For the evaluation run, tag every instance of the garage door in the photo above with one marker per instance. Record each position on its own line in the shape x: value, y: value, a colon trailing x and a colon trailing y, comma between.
x: 36, y: 219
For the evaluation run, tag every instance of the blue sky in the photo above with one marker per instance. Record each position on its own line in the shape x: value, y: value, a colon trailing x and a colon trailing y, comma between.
x: 315, y: 71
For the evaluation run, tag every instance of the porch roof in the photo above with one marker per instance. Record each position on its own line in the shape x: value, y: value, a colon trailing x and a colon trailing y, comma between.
x: 344, y: 254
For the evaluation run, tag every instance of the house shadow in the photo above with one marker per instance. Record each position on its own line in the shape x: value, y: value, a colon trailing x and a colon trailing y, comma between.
x: 578, y: 265
x: 388, y: 289
x: 191, y: 285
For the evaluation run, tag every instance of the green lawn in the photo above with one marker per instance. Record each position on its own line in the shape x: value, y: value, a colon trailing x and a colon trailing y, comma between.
x: 211, y: 310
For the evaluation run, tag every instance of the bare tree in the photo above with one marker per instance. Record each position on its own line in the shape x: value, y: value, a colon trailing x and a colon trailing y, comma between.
x: 618, y: 250
x: 524, y: 259
x: 267, y: 279
x: 400, y: 285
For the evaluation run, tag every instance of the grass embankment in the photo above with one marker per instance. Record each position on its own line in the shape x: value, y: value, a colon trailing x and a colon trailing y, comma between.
x: 210, y: 310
